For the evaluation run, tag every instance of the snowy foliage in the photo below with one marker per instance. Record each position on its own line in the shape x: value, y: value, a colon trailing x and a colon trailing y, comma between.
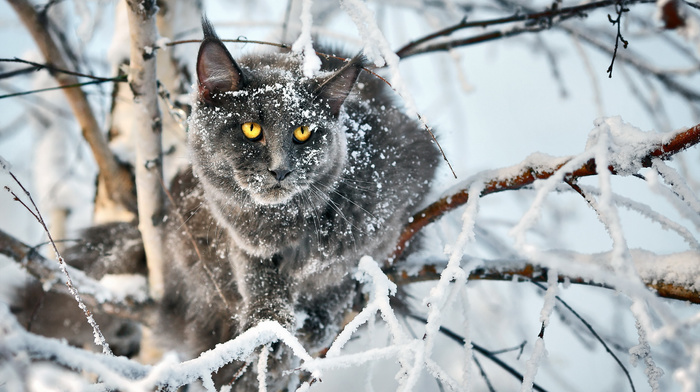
x: 540, y: 102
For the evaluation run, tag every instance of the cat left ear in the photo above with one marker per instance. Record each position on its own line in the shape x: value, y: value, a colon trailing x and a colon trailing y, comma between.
x: 217, y: 72
x: 337, y: 87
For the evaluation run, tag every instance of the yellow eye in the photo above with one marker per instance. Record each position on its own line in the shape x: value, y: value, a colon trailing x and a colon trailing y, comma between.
x: 252, y: 131
x: 302, y: 134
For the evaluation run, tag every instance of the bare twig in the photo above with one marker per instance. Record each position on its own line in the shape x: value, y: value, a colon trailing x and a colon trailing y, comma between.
x: 203, y: 262
x: 488, y: 354
x: 544, y: 19
x: 483, y: 374
x: 240, y: 40
x: 67, y: 86
x: 532, y: 273
x: 595, y: 334
x: 51, y: 68
x: 619, y: 9
x: 40, y: 268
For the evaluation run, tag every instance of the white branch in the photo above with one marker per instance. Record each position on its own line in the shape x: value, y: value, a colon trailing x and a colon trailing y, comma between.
x: 147, y: 123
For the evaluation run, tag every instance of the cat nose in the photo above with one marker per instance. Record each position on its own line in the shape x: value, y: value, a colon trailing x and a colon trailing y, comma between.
x: 280, y: 174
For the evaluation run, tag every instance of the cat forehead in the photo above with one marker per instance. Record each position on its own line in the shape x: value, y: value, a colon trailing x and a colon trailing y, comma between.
x: 274, y: 96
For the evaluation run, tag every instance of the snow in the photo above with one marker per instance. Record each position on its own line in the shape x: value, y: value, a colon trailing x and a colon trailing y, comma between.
x: 304, y: 44
x: 126, y: 286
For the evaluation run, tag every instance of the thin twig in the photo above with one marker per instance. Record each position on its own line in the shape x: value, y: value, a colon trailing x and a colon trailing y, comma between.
x: 117, y: 79
x: 594, y: 333
x: 201, y: 260
x: 287, y: 15
x: 483, y: 374
x: 546, y: 19
x: 237, y: 40
x: 51, y: 68
x: 619, y: 9
x: 40, y: 268
x: 488, y: 354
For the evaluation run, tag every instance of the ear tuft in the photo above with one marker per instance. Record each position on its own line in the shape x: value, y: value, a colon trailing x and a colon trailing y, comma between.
x: 217, y: 72
x: 337, y: 87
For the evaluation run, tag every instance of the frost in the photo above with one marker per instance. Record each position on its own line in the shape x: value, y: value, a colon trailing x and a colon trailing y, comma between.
x: 642, y: 352
x: 623, y: 144
x: 533, y: 365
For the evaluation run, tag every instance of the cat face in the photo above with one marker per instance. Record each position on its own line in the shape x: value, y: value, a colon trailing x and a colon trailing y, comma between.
x: 263, y: 129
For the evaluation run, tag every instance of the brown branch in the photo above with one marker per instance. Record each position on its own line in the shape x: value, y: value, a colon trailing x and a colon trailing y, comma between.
x: 45, y: 271
x: 117, y: 179
x: 532, y: 273
x: 527, y: 176
x: 34, y: 210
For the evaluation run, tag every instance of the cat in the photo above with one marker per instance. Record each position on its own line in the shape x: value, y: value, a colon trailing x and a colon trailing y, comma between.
x: 293, y: 179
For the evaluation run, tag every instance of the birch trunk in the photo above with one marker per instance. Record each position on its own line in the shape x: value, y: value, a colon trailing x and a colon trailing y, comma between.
x: 147, y: 129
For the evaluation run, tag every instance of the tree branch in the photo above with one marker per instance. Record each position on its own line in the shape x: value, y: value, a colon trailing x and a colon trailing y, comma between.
x: 117, y: 179
x: 532, y: 273
x: 528, y: 175
x: 48, y: 273
x: 535, y: 21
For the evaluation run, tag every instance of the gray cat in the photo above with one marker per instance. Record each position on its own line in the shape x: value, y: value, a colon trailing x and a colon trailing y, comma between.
x: 293, y: 179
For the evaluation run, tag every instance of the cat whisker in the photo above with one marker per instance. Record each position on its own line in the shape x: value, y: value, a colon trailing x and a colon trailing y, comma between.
x: 339, y: 211
x: 304, y: 198
x: 191, y: 214
x: 356, y: 184
x: 335, y: 190
x: 355, y: 180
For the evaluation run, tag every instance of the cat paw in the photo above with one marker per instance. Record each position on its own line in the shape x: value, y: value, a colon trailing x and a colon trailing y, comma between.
x: 257, y: 314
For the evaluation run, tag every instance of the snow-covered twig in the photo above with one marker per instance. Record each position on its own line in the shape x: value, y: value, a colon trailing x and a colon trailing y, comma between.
x: 34, y: 210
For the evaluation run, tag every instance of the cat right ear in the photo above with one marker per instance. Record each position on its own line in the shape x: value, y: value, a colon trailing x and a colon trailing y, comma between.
x: 217, y: 72
x: 337, y: 87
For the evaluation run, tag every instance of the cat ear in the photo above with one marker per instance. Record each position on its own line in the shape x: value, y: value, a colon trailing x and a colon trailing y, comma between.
x: 336, y: 88
x: 217, y: 72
